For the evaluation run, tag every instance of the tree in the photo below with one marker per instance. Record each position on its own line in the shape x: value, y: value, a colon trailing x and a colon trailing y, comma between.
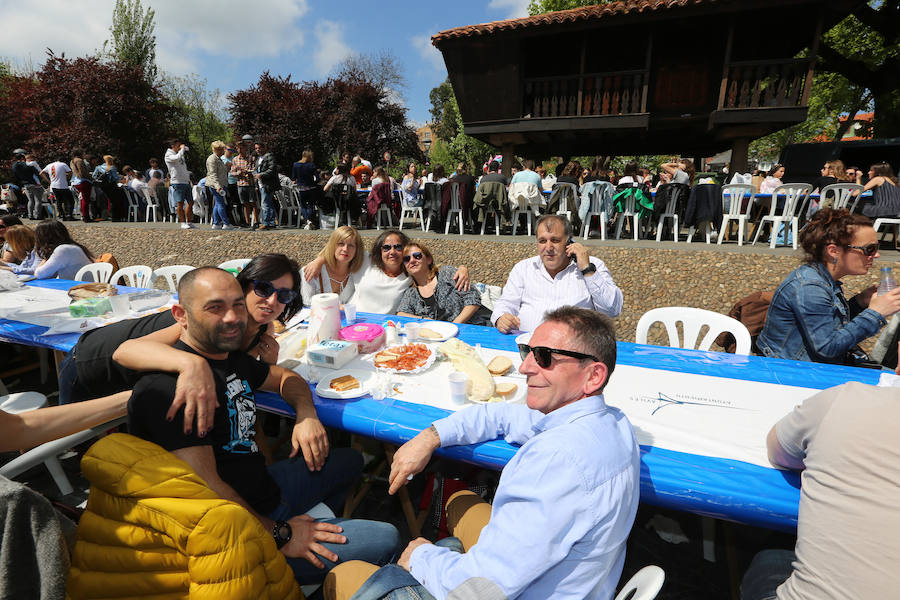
x: 537, y: 7
x: 865, y: 49
x: 381, y: 69
x: 133, y: 41
x: 447, y: 126
x: 444, y: 112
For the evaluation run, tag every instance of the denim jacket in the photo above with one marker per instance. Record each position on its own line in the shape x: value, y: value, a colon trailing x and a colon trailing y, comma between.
x: 809, y: 319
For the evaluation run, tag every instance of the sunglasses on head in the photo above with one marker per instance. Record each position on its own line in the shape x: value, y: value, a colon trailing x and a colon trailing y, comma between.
x: 387, y: 247
x: 264, y: 289
x: 413, y: 255
x: 544, y: 355
x: 868, y: 250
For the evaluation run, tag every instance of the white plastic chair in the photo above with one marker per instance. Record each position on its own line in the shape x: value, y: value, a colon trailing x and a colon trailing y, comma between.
x: 842, y: 193
x: 643, y: 585
x: 568, y: 192
x: 732, y: 197
x: 134, y: 207
x: 692, y: 321
x: 628, y: 213
x: 597, y: 209
x: 99, y: 272
x: 670, y: 213
x: 383, y: 209
x: 455, y: 209
x: 236, y: 264
x: 172, y: 274
x: 494, y: 211
x: 23, y: 402
x: 288, y: 205
x: 152, y: 204
x: 888, y: 221
x: 200, y: 207
x: 411, y: 211
x: 525, y: 199
x: 795, y: 195
x: 139, y: 276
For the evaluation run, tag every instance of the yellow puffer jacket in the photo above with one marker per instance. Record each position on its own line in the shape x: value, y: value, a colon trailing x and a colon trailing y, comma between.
x: 153, y: 528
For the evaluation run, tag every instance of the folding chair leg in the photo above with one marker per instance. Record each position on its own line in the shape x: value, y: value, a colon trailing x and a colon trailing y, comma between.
x: 635, y: 227
x: 742, y: 223
x: 659, y: 228
x: 675, y: 229
x: 773, y: 236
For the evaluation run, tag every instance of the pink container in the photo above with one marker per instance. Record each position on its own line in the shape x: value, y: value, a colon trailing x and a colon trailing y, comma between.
x: 368, y: 336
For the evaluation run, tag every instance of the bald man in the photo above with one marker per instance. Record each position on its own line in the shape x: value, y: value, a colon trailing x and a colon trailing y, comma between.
x: 213, y: 316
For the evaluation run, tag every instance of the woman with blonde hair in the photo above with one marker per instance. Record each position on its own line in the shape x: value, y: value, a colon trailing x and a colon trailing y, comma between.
x: 341, y: 257
x: 21, y: 245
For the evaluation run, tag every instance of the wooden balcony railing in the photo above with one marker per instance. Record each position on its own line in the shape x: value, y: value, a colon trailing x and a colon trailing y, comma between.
x: 598, y: 94
x: 763, y: 84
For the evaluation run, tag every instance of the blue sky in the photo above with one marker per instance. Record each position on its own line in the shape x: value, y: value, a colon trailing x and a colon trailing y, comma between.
x: 230, y: 42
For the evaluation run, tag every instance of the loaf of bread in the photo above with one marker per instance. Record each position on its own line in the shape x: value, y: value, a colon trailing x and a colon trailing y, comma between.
x: 499, y: 365
x: 92, y: 290
x: 466, y: 360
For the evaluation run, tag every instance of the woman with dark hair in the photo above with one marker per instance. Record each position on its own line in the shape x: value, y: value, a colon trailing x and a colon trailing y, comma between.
x: 773, y: 180
x: 809, y: 318
x: 570, y: 173
x: 885, y: 201
x: 61, y: 256
x: 681, y: 171
x: 306, y: 176
x: 6, y: 221
x: 631, y: 176
x: 433, y: 294
x: 20, y: 239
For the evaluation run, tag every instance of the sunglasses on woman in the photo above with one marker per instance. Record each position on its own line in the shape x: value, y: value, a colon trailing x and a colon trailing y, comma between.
x: 867, y: 250
x: 265, y: 289
x: 413, y: 255
x: 544, y: 355
x: 387, y: 247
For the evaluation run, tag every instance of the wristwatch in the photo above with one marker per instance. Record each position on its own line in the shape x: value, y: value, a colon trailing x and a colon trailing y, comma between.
x: 591, y: 268
x: 282, y: 533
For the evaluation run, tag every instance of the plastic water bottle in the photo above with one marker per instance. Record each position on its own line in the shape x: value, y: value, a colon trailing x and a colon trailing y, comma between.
x: 887, y: 282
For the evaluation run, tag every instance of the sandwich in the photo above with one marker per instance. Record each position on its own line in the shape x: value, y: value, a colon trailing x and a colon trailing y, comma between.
x: 500, y: 365
x: 429, y: 334
x: 344, y: 383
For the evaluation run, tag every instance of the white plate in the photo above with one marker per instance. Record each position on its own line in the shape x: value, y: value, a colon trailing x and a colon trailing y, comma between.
x: 517, y: 397
x: 447, y: 331
x: 428, y: 362
x: 365, y: 381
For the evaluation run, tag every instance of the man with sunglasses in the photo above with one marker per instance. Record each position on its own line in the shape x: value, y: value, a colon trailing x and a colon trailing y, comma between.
x: 566, y: 500
x: 563, y: 274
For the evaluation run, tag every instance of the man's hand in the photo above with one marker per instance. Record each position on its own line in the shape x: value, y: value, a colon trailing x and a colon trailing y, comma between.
x: 507, y: 322
x: 195, y: 389
x: 581, y: 254
x: 412, y: 457
x: 309, y: 437
x: 404, y: 558
x: 268, y: 349
x: 461, y: 277
x: 306, y: 535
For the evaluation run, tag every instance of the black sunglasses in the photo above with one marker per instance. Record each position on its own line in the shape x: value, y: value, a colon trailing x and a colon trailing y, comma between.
x: 543, y: 355
x: 387, y: 247
x: 413, y: 255
x: 264, y: 289
x: 868, y: 250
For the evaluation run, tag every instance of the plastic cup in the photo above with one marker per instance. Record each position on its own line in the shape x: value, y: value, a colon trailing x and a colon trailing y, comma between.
x: 412, y: 331
x: 350, y: 313
x: 459, y: 383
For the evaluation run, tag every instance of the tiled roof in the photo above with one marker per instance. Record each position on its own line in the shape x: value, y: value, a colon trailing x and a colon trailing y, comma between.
x: 586, y: 13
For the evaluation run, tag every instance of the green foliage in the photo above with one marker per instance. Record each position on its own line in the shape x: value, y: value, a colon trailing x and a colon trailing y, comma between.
x: 200, y: 116
x: 133, y: 41
x: 439, y: 154
x: 448, y: 127
x: 537, y: 7
x: 444, y: 112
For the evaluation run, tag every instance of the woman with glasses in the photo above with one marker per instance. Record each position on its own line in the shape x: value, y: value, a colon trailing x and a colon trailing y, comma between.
x: 809, y: 317
x: 341, y: 257
x: 433, y: 294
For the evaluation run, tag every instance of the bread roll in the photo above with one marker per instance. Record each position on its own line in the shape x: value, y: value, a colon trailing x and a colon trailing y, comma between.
x: 499, y: 365
x: 506, y: 389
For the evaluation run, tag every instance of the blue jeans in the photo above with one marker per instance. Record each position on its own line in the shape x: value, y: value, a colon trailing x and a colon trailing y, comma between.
x: 301, y: 489
x: 393, y: 582
x: 219, y: 212
x: 768, y: 570
x: 268, y: 208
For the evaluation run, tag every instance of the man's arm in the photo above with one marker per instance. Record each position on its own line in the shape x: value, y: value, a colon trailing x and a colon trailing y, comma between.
x: 605, y: 294
x: 778, y: 456
x: 305, y: 532
x: 32, y: 428
x: 309, y: 435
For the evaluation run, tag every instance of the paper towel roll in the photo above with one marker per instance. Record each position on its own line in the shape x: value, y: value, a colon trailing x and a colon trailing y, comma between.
x: 324, y: 317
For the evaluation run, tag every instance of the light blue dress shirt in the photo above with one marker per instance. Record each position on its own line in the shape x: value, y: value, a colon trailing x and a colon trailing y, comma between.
x: 562, y: 512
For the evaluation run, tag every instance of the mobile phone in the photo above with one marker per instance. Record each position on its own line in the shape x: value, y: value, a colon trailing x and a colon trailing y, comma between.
x: 572, y: 256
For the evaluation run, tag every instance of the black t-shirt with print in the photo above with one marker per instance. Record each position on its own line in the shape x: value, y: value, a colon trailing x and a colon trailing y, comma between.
x: 238, y: 460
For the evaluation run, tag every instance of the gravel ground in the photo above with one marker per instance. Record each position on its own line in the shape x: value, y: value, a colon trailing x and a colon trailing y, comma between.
x: 650, y: 274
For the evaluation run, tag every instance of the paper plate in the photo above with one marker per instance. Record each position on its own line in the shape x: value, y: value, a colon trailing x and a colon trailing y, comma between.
x: 428, y: 362
x: 365, y: 381
x: 517, y: 397
x: 445, y: 329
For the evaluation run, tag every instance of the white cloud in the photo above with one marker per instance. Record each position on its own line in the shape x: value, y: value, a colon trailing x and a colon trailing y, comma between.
x: 185, y: 29
x: 430, y: 54
x: 329, y: 47
x: 514, y: 8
